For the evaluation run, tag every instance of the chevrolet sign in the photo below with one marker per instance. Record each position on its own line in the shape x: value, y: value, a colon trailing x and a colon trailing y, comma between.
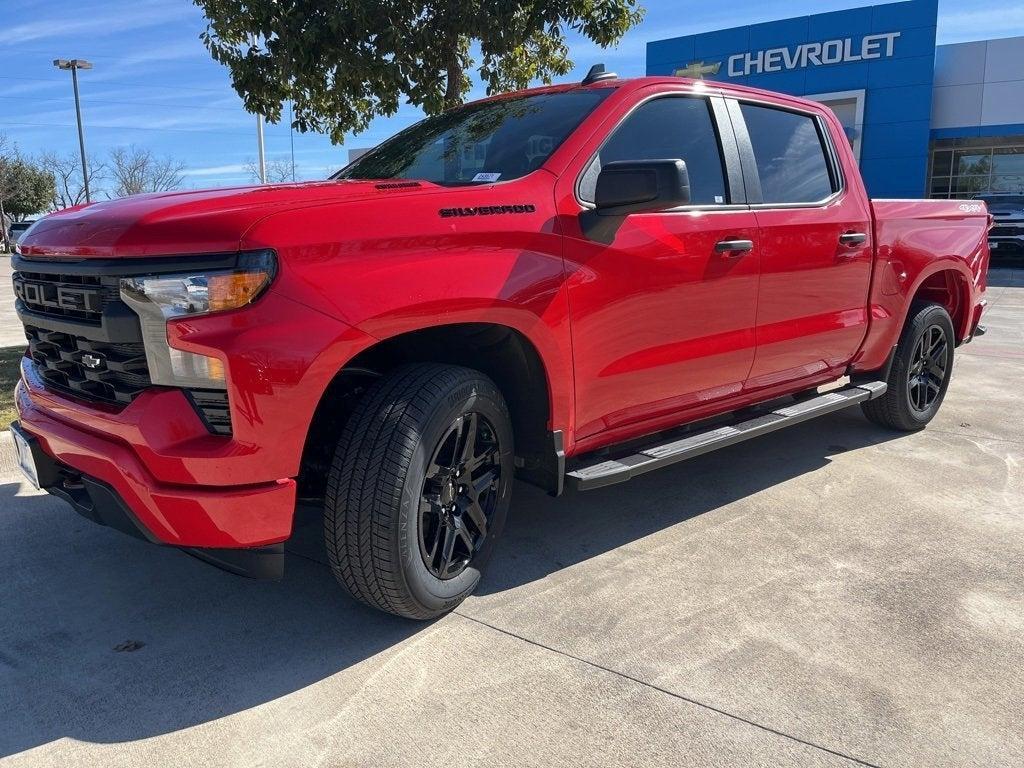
x: 55, y: 296
x: 698, y: 69
x: 880, y: 46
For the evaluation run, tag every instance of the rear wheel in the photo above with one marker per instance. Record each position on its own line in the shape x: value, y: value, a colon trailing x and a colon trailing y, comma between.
x: 419, y: 489
x: 920, y: 371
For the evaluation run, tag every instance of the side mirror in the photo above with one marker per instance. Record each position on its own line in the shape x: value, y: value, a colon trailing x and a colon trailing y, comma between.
x: 634, y: 186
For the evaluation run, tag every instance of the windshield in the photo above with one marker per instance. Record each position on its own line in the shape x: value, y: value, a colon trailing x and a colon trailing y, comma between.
x: 480, y: 143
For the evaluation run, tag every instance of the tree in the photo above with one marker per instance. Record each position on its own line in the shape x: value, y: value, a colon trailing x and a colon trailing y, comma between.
x: 347, y: 61
x: 134, y: 171
x: 25, y: 188
x: 67, y: 173
x: 5, y: 147
x: 279, y: 170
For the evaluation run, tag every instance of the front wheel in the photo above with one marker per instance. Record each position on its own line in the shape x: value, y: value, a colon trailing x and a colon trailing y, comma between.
x: 419, y: 489
x: 920, y: 372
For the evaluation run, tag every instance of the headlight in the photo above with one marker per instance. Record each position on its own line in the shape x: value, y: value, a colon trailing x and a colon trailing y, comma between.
x: 204, y: 292
x: 159, y: 298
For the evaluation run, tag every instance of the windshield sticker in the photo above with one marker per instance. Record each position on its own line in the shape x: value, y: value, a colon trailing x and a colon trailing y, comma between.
x: 539, y: 147
x: 487, y: 177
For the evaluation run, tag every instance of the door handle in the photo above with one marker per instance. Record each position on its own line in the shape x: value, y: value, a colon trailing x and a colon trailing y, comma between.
x: 734, y: 247
x: 850, y: 239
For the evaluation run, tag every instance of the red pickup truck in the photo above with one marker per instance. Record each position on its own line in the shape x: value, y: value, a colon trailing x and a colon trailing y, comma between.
x: 569, y: 285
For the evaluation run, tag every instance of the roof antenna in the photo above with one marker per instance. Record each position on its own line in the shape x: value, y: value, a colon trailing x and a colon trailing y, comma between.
x: 597, y: 74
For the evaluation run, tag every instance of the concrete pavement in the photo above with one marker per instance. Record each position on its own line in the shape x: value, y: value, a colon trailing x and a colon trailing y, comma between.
x: 11, y: 332
x: 833, y: 594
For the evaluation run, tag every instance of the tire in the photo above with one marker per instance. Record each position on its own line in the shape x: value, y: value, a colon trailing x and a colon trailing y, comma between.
x: 395, y: 492
x: 916, y: 390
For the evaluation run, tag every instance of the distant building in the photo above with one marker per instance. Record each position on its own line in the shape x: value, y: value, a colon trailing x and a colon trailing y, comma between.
x: 943, y: 121
x: 355, y: 154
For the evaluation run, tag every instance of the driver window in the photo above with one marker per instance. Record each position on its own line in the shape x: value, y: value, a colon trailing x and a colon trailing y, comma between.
x: 666, y: 129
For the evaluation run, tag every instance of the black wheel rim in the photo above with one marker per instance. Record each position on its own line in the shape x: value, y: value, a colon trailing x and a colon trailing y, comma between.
x: 928, y: 368
x: 459, y: 496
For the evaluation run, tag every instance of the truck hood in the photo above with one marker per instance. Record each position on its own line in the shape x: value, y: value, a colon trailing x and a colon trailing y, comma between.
x: 192, y: 222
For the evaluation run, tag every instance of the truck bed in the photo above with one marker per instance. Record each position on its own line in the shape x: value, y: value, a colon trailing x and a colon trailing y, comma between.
x: 940, y: 246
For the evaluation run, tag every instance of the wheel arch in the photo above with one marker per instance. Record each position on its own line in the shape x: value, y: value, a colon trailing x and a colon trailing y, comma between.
x: 949, y: 287
x: 504, y: 353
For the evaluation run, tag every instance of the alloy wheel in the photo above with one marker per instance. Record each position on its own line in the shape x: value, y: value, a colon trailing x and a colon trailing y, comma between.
x: 928, y: 369
x: 459, y: 495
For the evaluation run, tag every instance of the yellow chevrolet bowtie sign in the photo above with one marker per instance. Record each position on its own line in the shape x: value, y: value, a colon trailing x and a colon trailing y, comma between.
x: 698, y: 69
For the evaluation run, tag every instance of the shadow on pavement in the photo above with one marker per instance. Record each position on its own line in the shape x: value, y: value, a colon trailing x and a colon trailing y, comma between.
x: 76, y: 599
x: 105, y: 639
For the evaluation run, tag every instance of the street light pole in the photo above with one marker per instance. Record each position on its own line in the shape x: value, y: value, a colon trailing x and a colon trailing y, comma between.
x: 259, y: 144
x: 291, y: 134
x: 74, y: 65
x: 259, y: 133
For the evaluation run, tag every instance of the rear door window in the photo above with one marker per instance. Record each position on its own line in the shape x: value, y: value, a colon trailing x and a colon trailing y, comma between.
x: 791, y: 158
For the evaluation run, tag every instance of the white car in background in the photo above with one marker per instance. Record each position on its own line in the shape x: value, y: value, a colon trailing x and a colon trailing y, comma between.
x: 17, y: 230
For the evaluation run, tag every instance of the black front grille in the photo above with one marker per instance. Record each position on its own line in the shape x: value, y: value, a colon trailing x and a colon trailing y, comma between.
x: 65, y: 296
x: 92, y: 370
x: 1007, y: 230
x: 86, y: 342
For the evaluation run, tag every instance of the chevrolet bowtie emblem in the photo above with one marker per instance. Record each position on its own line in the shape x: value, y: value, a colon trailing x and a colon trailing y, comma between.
x: 698, y: 69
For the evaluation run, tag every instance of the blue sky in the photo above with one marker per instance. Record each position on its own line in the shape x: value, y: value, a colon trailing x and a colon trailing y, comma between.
x: 154, y: 85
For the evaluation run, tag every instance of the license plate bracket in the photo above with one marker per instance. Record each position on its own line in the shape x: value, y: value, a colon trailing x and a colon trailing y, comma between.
x: 25, y: 455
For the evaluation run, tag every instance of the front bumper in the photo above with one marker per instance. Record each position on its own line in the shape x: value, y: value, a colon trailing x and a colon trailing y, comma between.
x: 100, y: 502
x: 1006, y: 235
x: 184, y: 485
x: 182, y: 515
x: 1006, y: 243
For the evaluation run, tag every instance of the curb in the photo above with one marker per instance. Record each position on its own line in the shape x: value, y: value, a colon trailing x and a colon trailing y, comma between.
x: 8, y: 457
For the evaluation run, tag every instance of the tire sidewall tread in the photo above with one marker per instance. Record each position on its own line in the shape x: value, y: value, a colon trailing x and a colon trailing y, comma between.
x: 376, y: 476
x: 893, y: 409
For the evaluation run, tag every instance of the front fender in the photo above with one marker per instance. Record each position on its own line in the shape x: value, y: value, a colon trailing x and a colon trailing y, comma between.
x: 386, y: 269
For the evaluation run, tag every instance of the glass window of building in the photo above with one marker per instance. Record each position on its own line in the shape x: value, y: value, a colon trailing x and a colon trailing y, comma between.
x: 966, y: 168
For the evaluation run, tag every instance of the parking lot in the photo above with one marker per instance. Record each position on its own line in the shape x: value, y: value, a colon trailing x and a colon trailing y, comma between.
x: 11, y: 332
x: 832, y: 594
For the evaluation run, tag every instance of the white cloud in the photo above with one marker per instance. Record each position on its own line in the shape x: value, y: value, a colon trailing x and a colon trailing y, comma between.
x: 33, y: 86
x: 96, y: 23
x: 983, y: 23
x: 188, y: 48
x: 234, y: 169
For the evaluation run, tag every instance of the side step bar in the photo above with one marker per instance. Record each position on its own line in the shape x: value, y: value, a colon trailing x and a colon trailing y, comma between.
x: 698, y: 443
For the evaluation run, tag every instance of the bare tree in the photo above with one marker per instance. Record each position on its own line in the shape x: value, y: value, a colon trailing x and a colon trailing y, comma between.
x: 134, y: 170
x: 279, y: 170
x: 67, y: 172
x: 6, y: 151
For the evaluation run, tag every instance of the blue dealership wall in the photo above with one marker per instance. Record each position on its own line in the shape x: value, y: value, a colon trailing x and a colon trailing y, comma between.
x: 898, y: 88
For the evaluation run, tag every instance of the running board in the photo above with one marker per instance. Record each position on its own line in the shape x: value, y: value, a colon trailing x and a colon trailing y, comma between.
x: 698, y: 443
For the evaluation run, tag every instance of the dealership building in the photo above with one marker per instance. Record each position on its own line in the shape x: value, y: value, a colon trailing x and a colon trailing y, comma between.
x: 924, y: 120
